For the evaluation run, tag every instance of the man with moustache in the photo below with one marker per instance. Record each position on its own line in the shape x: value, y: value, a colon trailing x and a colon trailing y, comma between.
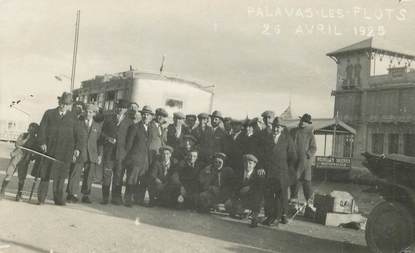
x: 59, y: 137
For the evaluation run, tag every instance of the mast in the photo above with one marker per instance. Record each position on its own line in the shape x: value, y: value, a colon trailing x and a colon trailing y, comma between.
x: 75, y: 49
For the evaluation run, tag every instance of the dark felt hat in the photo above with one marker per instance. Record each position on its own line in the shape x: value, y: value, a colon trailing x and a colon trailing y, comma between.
x: 65, y: 98
x: 217, y: 114
x: 191, y: 116
x: 306, y: 118
x: 203, y: 115
x: 268, y: 114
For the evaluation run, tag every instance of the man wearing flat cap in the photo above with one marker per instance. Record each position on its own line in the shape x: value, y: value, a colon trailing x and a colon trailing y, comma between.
x: 218, y: 132
x: 160, y: 175
x: 91, y: 155
x: 205, y: 140
x: 114, y: 132
x: 265, y: 139
x: 176, y: 131
x: 217, y: 183
x: 190, y: 123
x: 305, y: 145
x: 59, y: 137
x: 137, y: 160
x: 248, y: 192
x: 279, y: 174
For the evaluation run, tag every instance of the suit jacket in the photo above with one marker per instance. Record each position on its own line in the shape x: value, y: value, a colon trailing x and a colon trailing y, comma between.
x: 265, y: 142
x: 173, y: 140
x: 111, y: 129
x: 255, y: 182
x: 219, y: 136
x: 61, y: 135
x: 157, y: 138
x: 158, y: 171
x: 211, y: 181
x: 188, y: 177
x: 91, y: 147
x: 205, y: 141
x: 137, y: 147
x: 283, y: 158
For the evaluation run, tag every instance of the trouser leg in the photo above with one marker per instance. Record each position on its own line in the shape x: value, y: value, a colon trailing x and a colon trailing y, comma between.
x: 140, y: 189
x: 88, y: 178
x: 307, y: 190
x: 19, y: 189
x: 117, y: 182
x: 58, y: 190
x: 43, y: 190
x: 74, y: 179
x: 294, y: 189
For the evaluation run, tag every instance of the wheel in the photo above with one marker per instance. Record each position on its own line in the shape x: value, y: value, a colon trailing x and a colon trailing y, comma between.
x: 389, y: 228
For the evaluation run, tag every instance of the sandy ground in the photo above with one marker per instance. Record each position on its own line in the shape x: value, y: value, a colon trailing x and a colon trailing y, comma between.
x: 26, y: 227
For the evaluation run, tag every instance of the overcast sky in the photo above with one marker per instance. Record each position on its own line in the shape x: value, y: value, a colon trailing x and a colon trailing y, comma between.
x: 255, y: 55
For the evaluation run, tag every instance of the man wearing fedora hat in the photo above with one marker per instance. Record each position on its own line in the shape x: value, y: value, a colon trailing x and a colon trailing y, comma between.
x: 305, y: 145
x: 114, y: 132
x: 280, y: 172
x: 217, y: 183
x: 59, y: 137
x: 137, y: 160
x: 265, y: 139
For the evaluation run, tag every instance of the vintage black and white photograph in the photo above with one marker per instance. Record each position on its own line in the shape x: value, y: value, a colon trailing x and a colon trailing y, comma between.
x: 263, y: 126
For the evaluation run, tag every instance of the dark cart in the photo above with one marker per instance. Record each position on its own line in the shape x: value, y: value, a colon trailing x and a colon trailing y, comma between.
x: 390, y: 226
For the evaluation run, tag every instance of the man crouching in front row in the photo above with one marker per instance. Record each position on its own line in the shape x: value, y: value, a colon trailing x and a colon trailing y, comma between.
x: 249, y: 191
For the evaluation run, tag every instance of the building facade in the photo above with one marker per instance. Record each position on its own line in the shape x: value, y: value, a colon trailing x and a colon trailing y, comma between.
x: 156, y: 90
x: 381, y: 107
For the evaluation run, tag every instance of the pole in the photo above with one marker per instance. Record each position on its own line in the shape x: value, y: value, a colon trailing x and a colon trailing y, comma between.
x: 325, y: 142
x: 75, y: 49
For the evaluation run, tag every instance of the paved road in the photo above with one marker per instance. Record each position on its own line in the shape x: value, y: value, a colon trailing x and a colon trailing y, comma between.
x: 26, y: 227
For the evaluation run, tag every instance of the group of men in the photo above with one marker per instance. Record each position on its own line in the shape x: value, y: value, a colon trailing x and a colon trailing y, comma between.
x: 196, y: 162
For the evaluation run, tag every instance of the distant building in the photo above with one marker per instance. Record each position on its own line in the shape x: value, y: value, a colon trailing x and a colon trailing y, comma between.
x: 157, y: 90
x: 380, y: 106
x: 11, y: 129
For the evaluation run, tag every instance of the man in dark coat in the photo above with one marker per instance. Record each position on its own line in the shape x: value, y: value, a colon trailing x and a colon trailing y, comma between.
x: 305, y: 145
x: 187, y: 179
x: 265, y: 140
x: 138, y: 158
x: 114, y: 132
x: 249, y: 191
x: 190, y: 123
x: 217, y: 183
x: 176, y: 131
x: 160, y: 176
x: 59, y: 137
x: 279, y: 174
x: 219, y: 133
x: 205, y: 138
x: 189, y: 143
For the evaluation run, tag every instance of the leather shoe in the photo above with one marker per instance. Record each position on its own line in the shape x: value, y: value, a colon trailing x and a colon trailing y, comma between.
x: 284, y: 219
x: 268, y: 221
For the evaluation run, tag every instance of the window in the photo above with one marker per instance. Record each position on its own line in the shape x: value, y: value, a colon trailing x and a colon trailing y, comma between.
x: 393, y: 147
x: 348, y: 146
x: 174, y: 103
x: 110, y: 100
x: 93, y: 98
x: 377, y: 143
x: 409, y: 144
